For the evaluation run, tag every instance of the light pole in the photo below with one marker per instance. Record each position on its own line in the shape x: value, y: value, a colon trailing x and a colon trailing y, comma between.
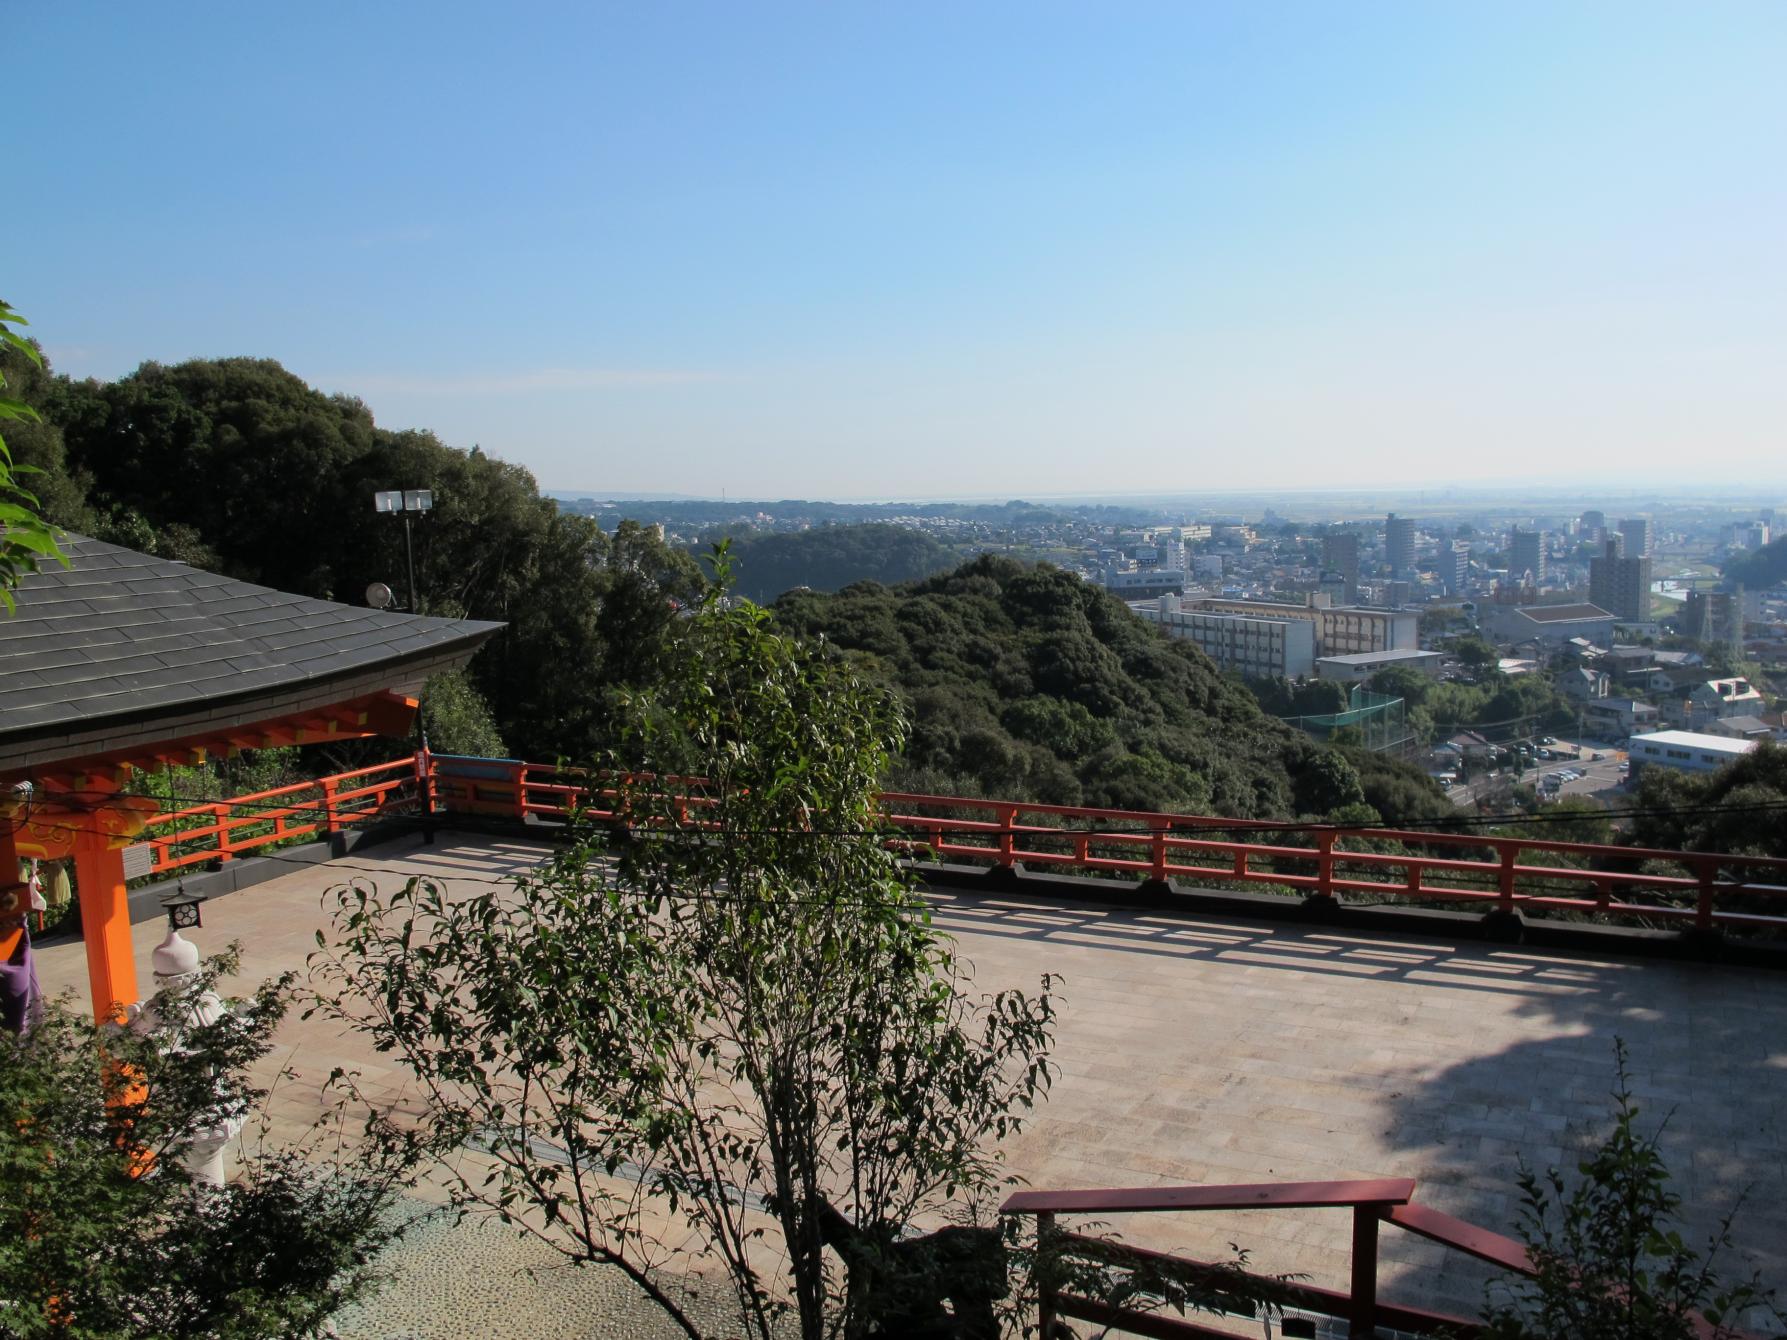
x: 406, y: 503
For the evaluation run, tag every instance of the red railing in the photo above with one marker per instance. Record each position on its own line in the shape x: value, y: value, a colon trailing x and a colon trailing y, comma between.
x: 1503, y: 874
x: 1370, y: 1203
x: 225, y: 829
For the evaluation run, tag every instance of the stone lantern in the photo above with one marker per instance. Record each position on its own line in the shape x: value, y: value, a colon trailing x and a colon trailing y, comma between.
x: 176, y: 966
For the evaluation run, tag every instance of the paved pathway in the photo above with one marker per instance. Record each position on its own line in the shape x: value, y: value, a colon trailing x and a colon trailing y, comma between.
x: 1224, y: 1051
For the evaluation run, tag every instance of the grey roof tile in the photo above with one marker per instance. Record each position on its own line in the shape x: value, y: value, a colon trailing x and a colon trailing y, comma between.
x: 120, y: 633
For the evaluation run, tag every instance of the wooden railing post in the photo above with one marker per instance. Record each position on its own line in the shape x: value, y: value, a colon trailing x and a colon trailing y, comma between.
x: 1509, y: 852
x: 1364, y: 1281
x: 1324, y: 863
x: 220, y: 813
x: 331, y: 819
x: 1045, y: 1275
x: 518, y: 780
x: 1008, y: 819
x: 1157, y: 850
x: 1707, y: 870
x: 425, y: 781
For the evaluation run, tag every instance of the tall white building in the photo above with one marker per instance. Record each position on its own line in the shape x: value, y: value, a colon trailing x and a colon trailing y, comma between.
x: 1257, y: 648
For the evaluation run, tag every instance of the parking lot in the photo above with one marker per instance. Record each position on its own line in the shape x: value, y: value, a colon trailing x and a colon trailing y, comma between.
x: 1595, y: 776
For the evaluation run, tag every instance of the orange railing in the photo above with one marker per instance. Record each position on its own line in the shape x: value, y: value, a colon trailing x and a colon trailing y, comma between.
x: 1503, y: 874
x: 1370, y: 1203
x: 225, y: 829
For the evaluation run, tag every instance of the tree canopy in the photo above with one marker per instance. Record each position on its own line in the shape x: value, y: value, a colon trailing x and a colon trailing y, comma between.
x: 827, y: 558
x: 1760, y: 568
x: 236, y: 465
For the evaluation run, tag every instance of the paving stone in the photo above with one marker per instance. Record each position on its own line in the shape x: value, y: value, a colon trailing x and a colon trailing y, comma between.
x: 1198, y: 1053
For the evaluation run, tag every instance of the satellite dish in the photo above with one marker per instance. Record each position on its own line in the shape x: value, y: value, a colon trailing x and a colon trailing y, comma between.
x: 379, y: 596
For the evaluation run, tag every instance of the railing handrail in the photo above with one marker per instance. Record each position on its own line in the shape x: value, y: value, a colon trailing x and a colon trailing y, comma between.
x: 1373, y: 1201
x: 1490, y: 869
x: 1235, y: 1196
x: 1339, y: 830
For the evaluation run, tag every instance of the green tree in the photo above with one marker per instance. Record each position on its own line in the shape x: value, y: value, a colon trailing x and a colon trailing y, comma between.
x: 1760, y: 568
x: 456, y: 718
x: 1735, y: 809
x: 26, y: 539
x: 740, y: 1002
x: 829, y: 558
x: 1475, y: 653
x: 218, y: 462
x: 90, y: 1247
x: 1610, y: 1265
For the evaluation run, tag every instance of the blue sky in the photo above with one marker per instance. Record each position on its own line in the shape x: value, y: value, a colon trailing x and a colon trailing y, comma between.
x: 952, y: 249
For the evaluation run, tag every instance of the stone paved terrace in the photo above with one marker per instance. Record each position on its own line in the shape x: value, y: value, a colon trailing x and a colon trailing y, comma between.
x: 1223, y: 1051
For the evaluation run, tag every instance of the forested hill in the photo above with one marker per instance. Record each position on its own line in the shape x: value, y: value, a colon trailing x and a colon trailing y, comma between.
x: 828, y: 558
x: 1026, y: 682
x: 237, y: 466
x: 1761, y: 568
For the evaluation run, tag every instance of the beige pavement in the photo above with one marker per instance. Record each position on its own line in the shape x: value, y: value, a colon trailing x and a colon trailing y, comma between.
x: 1224, y: 1051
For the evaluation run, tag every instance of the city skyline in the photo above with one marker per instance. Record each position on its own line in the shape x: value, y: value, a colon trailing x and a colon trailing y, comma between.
x: 1013, y: 252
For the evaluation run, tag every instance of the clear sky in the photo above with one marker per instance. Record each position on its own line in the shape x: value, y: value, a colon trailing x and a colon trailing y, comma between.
x: 904, y: 249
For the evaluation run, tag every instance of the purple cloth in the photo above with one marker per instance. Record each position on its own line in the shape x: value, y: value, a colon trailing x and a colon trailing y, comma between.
x: 18, y: 987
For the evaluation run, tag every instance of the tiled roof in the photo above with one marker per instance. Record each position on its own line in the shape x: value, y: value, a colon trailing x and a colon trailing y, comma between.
x: 123, y: 636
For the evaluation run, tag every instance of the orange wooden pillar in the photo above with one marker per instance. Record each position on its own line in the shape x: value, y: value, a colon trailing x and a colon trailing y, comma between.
x: 9, y: 882
x: 105, y: 924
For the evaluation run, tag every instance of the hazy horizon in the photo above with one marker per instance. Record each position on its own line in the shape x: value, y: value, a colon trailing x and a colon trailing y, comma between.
x: 944, y: 251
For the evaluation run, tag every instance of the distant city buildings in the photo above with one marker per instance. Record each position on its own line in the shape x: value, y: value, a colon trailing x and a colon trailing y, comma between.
x: 1340, y: 555
x: 1636, y: 532
x: 1146, y: 584
x: 1526, y: 557
x: 1455, y: 568
x: 1399, y: 544
x: 1684, y: 751
x: 1358, y: 668
x: 1255, y: 647
x: 1339, y: 631
x: 1549, y: 625
x: 1621, y: 584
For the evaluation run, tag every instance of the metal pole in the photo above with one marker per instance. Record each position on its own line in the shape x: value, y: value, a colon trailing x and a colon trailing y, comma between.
x: 409, y: 549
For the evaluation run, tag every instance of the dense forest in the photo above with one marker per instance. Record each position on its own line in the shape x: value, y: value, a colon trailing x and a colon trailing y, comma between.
x: 829, y: 558
x: 237, y: 466
x: 1020, y: 680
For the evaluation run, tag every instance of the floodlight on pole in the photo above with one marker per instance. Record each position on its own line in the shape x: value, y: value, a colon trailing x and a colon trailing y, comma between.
x: 405, y: 503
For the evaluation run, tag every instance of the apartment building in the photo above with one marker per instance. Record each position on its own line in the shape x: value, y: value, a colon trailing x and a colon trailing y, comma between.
x: 1254, y: 647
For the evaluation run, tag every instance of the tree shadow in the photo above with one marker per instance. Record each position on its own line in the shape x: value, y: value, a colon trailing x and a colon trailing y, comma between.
x: 1495, y: 1053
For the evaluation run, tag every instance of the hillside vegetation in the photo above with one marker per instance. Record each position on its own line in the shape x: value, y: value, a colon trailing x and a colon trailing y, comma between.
x: 1025, y: 682
x: 1761, y: 568
x: 828, y: 558
x: 237, y: 466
